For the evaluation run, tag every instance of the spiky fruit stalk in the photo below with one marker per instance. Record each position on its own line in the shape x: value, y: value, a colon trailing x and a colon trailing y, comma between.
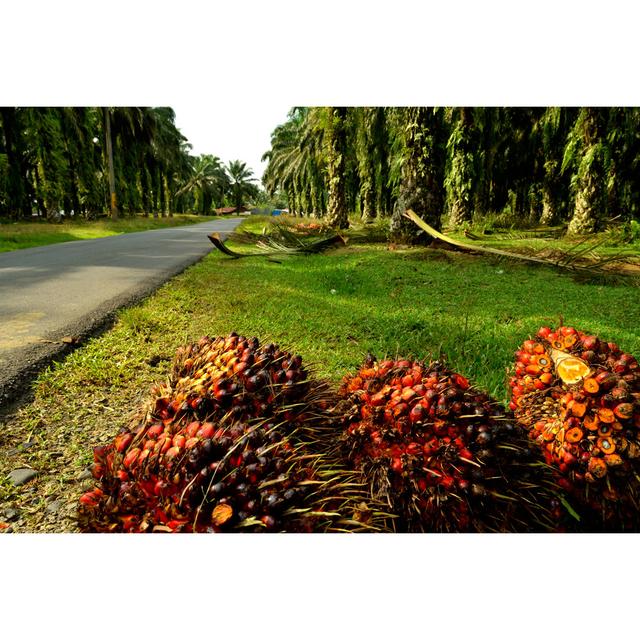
x: 579, y: 398
x: 442, y: 454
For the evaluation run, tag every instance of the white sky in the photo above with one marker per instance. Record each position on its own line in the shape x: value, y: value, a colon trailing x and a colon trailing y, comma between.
x: 231, y: 130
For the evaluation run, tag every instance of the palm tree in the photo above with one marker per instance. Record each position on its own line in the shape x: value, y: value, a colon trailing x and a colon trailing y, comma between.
x: 422, y: 169
x: 296, y: 164
x: 461, y: 167
x: 241, y: 183
x: 207, y: 183
x: 587, y: 153
x: 336, y: 149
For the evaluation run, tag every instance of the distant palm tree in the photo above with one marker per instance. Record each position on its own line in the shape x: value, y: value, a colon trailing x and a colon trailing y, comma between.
x: 207, y: 183
x: 241, y: 184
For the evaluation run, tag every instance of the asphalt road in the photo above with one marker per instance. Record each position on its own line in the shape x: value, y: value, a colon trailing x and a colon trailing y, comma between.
x: 73, y: 288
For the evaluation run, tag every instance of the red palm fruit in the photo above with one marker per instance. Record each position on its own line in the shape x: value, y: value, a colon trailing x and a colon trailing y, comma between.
x: 408, y: 394
x: 172, y: 452
x: 89, y: 499
x: 192, y: 429
x: 191, y: 442
x: 543, y: 332
x: 590, y: 343
x: 100, y: 454
x: 524, y: 358
x: 155, y: 430
x: 606, y: 415
x: 131, y: 458
x: 417, y: 413
x: 460, y: 381
x: 129, y: 523
x: 591, y: 386
x: 407, y: 381
x: 98, y: 470
x: 122, y: 441
x: 179, y: 441
x: 606, y: 380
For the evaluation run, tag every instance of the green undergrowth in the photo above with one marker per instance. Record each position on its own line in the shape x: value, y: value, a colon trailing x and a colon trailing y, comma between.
x: 23, y: 235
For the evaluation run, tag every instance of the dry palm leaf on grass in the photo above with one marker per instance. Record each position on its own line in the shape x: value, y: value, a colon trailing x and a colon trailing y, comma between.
x: 281, y: 241
x: 581, y: 258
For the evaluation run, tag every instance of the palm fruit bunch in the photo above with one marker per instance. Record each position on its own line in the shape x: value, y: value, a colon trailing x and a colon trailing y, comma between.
x: 234, y: 375
x: 579, y: 398
x: 443, y: 455
x: 220, y: 447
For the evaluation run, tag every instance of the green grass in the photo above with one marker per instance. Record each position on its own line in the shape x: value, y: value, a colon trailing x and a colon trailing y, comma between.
x: 22, y: 235
x: 332, y: 309
x: 336, y: 307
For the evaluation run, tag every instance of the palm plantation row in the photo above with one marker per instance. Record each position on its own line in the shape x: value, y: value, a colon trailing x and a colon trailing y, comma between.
x: 119, y: 159
x: 454, y: 166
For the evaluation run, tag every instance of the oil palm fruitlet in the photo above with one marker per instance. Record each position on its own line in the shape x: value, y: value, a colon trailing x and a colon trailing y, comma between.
x: 579, y: 398
x: 443, y: 455
x: 231, y: 442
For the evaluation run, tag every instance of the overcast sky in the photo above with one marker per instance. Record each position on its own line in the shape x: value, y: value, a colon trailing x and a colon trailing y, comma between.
x: 231, y: 130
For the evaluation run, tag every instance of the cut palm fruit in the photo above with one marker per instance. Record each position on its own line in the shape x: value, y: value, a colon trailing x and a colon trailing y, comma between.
x: 570, y: 369
x: 591, y: 404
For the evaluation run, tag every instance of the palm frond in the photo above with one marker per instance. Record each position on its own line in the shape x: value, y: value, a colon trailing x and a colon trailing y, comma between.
x: 572, y: 259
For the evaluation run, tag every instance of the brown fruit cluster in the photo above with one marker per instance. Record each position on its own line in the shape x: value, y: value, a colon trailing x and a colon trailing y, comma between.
x: 579, y: 398
x: 443, y: 455
x: 228, y: 444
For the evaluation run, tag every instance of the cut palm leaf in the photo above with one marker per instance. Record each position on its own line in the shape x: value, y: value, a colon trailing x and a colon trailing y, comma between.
x: 566, y: 260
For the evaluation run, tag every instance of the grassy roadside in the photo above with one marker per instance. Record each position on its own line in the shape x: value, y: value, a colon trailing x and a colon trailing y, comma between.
x: 22, y: 235
x: 332, y: 309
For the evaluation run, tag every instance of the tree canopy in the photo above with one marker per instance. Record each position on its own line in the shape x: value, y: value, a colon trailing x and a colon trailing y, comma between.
x: 455, y: 166
x: 56, y: 159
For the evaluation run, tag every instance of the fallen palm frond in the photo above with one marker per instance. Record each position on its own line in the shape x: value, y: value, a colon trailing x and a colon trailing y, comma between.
x: 507, y: 234
x: 580, y: 258
x: 287, y: 243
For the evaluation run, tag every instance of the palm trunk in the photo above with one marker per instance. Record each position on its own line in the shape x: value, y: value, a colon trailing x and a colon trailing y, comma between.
x: 421, y: 187
x: 112, y: 176
x: 589, y: 208
x: 460, y: 179
x: 19, y: 204
x: 336, y: 207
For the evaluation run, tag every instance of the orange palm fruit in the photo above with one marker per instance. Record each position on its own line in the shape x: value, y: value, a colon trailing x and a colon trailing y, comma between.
x: 624, y: 411
x: 606, y: 445
x: 606, y: 415
x: 574, y: 434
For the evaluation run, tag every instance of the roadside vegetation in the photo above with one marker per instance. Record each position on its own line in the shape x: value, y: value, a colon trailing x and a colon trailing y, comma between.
x: 22, y: 235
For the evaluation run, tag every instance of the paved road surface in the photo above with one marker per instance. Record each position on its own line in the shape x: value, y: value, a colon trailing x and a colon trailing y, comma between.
x: 70, y: 289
